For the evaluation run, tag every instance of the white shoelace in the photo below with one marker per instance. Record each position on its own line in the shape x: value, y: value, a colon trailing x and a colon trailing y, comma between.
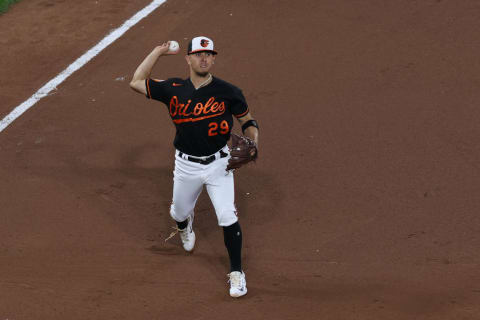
x: 172, y: 234
x: 184, y: 234
x: 235, y: 280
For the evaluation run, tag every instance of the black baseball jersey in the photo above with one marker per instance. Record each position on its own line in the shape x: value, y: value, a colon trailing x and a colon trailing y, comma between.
x: 203, y: 116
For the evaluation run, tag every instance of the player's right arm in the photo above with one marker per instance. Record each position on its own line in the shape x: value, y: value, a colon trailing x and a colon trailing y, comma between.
x: 145, y: 68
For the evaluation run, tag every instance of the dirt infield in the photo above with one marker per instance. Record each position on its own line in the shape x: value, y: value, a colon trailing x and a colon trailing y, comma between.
x: 364, y: 203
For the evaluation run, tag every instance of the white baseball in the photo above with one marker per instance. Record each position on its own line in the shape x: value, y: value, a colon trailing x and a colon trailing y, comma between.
x: 173, y: 46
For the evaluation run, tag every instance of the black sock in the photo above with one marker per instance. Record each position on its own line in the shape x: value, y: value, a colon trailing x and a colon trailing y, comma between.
x: 182, y: 225
x: 232, y: 236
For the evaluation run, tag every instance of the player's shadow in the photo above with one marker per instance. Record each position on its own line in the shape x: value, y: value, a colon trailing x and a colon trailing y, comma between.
x: 258, y: 196
x: 136, y: 195
x: 135, y: 192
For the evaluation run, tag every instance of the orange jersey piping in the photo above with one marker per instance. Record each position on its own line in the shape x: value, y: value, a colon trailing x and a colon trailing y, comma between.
x: 241, y: 114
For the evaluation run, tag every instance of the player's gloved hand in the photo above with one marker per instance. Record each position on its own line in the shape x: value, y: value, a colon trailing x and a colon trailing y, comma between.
x: 242, y: 151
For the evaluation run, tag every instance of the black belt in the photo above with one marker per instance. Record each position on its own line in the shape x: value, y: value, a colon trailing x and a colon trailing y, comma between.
x: 202, y: 161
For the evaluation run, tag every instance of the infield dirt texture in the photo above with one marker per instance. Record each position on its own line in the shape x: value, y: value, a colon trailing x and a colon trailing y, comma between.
x: 364, y: 203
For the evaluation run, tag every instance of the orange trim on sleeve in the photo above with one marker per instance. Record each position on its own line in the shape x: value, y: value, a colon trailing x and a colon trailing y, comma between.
x: 148, y: 88
x: 242, y: 114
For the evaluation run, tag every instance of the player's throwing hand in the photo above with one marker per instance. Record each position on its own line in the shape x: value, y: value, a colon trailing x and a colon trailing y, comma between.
x: 168, y: 48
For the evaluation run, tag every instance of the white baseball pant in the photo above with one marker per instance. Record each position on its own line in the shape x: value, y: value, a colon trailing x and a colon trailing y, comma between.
x: 188, y: 181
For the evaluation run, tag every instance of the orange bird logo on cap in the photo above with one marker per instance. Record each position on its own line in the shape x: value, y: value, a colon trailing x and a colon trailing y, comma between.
x: 204, y: 43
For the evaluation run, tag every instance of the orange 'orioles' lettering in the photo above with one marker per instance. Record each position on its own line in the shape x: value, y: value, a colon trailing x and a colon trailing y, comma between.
x: 201, y: 111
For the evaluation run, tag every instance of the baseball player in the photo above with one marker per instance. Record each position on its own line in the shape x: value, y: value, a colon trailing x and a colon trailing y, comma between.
x: 202, y: 108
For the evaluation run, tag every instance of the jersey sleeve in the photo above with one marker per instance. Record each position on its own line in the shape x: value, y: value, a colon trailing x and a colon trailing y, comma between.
x: 239, y: 107
x: 158, y: 89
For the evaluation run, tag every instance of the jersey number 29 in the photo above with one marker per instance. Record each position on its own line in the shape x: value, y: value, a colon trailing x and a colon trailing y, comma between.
x: 213, y: 131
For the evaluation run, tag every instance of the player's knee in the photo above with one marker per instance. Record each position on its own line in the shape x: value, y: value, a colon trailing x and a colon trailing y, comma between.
x: 173, y: 214
x: 227, y: 218
x: 177, y: 214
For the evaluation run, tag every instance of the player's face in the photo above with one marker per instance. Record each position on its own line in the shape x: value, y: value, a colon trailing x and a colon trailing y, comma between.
x: 201, y: 62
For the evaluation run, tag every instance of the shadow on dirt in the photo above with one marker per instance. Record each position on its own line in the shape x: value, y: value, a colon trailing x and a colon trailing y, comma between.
x: 135, y: 193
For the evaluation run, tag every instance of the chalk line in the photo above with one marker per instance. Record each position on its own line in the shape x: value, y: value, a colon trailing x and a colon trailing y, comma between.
x: 77, y: 64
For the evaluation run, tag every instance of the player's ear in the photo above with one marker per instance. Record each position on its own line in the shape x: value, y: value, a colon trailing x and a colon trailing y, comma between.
x: 187, y: 57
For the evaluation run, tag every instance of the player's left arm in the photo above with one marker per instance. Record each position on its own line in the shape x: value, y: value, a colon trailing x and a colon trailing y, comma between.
x: 249, y: 127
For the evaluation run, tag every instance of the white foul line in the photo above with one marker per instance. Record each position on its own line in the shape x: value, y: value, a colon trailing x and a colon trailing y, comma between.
x: 77, y: 64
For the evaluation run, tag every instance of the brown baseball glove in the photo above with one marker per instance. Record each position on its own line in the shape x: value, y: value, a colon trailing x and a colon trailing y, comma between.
x: 242, y: 151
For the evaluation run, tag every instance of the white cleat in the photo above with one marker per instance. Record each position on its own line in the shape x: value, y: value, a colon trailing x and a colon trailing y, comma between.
x: 238, y: 284
x: 188, y: 236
